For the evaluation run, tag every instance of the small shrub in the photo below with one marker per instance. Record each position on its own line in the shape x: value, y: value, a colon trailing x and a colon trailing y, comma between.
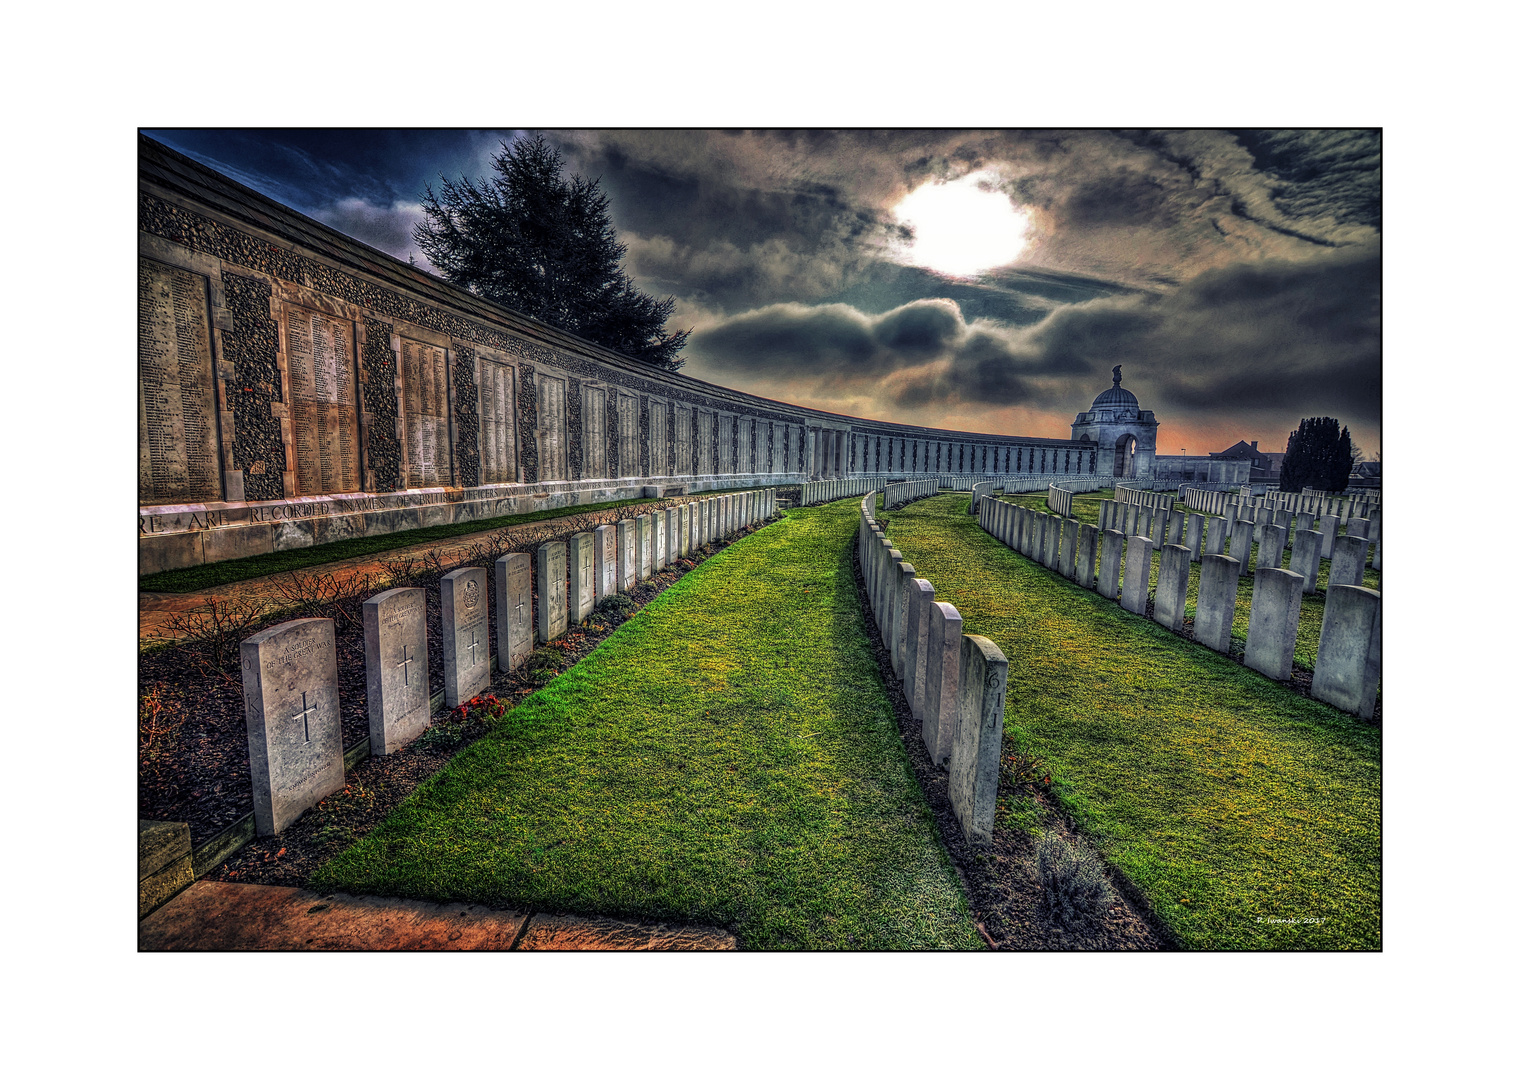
x: 543, y: 665
x: 159, y: 718
x: 615, y: 608
x: 1075, y: 890
x: 218, y: 628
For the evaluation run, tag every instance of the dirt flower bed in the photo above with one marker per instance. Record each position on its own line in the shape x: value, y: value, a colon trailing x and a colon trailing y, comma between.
x: 1001, y: 876
x: 193, y: 743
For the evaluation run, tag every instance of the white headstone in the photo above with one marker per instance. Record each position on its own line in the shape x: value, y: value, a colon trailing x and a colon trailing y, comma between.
x: 582, y: 575
x: 466, y: 641
x: 550, y: 563
x: 605, y: 561
x: 396, y: 668
x: 290, y: 705
x: 514, y: 610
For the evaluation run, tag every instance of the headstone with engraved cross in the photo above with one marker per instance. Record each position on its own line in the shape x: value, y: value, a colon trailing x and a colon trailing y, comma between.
x: 290, y: 704
x: 582, y: 576
x: 551, y: 561
x: 514, y: 610
x: 466, y: 639
x: 396, y: 668
x: 604, y: 555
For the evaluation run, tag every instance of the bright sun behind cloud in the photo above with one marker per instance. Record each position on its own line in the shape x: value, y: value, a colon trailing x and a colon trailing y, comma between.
x: 962, y: 227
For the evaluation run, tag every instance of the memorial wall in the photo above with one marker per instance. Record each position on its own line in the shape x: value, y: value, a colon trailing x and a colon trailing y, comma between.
x: 297, y: 387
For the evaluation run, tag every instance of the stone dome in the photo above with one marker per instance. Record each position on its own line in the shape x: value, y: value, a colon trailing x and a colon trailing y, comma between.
x: 1116, y: 397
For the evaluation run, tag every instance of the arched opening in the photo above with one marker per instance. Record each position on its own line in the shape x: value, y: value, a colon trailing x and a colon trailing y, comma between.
x: 1124, y: 456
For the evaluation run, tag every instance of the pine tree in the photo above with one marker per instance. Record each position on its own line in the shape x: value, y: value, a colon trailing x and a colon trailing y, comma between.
x: 1319, y: 456
x: 530, y: 240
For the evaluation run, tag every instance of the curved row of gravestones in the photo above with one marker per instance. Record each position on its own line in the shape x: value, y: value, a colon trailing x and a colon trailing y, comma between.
x: 955, y: 683
x: 1313, y: 504
x: 290, y: 671
x: 1349, y: 662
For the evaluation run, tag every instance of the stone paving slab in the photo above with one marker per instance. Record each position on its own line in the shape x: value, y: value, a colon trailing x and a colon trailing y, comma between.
x: 223, y: 916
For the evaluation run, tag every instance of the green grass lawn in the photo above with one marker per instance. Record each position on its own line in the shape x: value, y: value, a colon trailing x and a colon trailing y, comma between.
x: 1311, y: 616
x: 1226, y: 798
x: 210, y: 575
x: 729, y: 756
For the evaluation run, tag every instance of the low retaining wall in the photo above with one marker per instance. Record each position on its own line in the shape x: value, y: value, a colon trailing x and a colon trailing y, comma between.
x: 955, y: 683
x: 172, y: 537
x: 1350, y: 642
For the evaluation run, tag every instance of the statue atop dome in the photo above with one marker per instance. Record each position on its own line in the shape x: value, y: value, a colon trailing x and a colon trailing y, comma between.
x: 1116, y: 373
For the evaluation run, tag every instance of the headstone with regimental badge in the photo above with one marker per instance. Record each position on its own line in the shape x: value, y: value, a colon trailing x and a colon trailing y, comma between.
x: 466, y: 637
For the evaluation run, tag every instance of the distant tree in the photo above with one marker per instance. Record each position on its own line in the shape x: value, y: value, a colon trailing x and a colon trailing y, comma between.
x: 1319, y: 456
x: 531, y: 240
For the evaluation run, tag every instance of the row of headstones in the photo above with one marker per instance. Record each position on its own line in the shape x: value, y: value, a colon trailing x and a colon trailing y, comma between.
x: 955, y: 683
x: 1059, y: 501
x: 1317, y: 504
x: 1132, y: 519
x: 1138, y: 497
x: 290, y: 671
x: 901, y: 494
x: 827, y: 491
x: 1349, y: 662
x: 1373, y: 496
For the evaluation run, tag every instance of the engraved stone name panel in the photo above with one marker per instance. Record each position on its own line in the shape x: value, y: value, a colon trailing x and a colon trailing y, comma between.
x: 290, y: 704
x: 396, y: 668
x: 498, y: 423
x: 176, y: 394
x: 324, y: 418
x: 425, y: 397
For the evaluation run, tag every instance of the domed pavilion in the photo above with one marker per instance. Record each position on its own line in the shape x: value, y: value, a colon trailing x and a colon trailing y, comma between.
x: 1124, y: 432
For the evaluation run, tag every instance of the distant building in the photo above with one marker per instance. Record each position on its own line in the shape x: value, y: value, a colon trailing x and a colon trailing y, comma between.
x: 1266, y: 468
x: 1124, y: 432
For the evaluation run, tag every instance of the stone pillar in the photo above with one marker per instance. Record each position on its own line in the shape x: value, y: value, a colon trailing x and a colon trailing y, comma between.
x: 1349, y: 663
x: 290, y: 706
x: 1172, y: 587
x: 1269, y: 551
x: 1218, y: 582
x: 514, y: 610
x: 604, y: 556
x: 942, y: 680
x: 396, y: 668
x: 1349, y: 560
x: 976, y: 749
x: 916, y: 644
x: 1109, y: 563
x: 1305, y: 560
x: 553, y: 618
x: 1087, y: 556
x: 1273, y: 628
x: 582, y: 576
x: 466, y: 641
x: 1137, y: 575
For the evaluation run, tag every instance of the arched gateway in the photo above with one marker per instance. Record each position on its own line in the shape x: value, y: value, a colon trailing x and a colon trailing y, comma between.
x: 1124, y: 432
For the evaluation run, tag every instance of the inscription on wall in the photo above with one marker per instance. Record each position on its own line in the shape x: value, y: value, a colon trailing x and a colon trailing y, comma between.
x: 498, y: 423
x: 658, y: 446
x: 425, y: 396
x: 551, y: 428
x: 176, y: 397
x: 324, y: 418
x: 628, y: 435
x: 595, y: 441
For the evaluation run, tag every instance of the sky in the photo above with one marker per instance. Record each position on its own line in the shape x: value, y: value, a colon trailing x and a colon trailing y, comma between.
x: 980, y: 280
